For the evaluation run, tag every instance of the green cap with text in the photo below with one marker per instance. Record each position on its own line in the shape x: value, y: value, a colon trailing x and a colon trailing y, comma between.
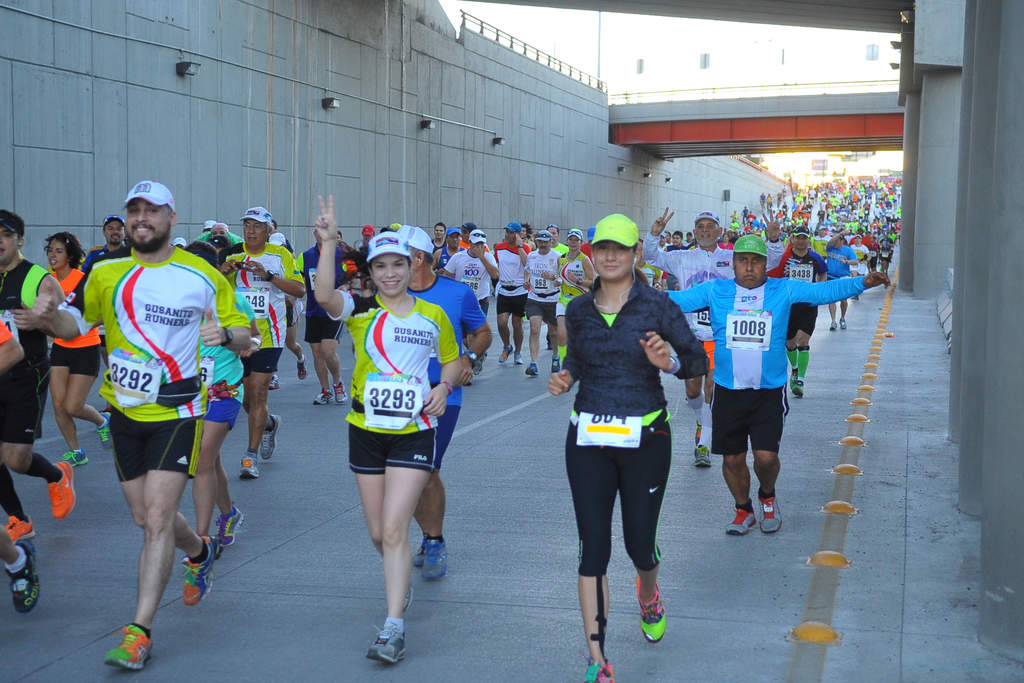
x: 750, y: 244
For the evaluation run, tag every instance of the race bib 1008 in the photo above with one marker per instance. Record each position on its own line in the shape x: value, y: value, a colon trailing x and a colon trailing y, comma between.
x: 391, y: 401
x: 135, y: 378
x: 617, y: 431
x: 748, y: 330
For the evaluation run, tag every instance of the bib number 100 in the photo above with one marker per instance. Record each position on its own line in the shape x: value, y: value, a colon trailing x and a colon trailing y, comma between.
x: 749, y: 328
x: 392, y: 398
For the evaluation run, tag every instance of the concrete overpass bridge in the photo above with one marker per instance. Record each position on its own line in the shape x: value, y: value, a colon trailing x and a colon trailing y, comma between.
x: 769, y: 123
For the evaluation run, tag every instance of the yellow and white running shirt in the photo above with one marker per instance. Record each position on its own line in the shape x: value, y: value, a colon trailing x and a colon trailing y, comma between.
x: 267, y: 301
x: 152, y: 313
x: 392, y: 355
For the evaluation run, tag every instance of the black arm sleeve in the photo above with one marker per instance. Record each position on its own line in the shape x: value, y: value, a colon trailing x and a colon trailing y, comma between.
x: 572, y: 362
x: 674, y: 329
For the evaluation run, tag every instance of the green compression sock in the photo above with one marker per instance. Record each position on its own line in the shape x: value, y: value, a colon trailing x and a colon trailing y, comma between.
x: 792, y: 355
x: 803, y: 358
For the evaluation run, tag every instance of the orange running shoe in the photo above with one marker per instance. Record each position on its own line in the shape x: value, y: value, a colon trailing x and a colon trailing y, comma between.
x: 62, y: 493
x: 18, y: 529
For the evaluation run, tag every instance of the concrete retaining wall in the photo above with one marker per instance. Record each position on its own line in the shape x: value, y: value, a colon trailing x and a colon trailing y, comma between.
x: 92, y: 109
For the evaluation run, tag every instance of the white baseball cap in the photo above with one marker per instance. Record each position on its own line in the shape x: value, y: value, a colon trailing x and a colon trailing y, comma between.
x: 179, y: 242
x: 208, y: 225
x: 153, y: 192
x: 478, y: 236
x: 278, y: 239
x: 416, y: 238
x: 258, y: 214
x: 388, y: 243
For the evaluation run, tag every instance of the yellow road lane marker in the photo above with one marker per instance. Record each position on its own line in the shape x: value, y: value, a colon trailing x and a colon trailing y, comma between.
x: 815, y: 632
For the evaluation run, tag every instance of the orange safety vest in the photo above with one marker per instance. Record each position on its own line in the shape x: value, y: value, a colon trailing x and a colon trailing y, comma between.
x: 90, y: 338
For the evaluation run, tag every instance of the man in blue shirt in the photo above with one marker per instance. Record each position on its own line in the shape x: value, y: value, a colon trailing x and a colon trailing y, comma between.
x: 469, y: 322
x: 840, y: 257
x: 321, y: 332
x: 113, y: 234
x: 749, y: 320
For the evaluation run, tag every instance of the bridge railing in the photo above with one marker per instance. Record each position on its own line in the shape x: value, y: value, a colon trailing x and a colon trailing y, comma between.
x: 530, y: 52
x: 740, y: 91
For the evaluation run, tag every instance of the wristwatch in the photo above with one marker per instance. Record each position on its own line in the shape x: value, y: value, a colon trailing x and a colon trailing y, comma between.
x: 471, y: 356
x: 228, y: 337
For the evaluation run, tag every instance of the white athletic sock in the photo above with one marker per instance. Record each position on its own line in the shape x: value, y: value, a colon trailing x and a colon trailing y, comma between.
x: 400, y: 623
x: 697, y: 406
x: 705, y: 430
x: 19, y: 564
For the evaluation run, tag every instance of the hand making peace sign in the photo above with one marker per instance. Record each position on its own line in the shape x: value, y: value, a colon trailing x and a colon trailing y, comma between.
x: 662, y: 222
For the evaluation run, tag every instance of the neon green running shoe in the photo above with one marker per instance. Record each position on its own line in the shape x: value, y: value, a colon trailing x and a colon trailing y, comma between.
x: 103, y: 431
x: 652, y: 615
x: 75, y: 458
x: 133, y: 651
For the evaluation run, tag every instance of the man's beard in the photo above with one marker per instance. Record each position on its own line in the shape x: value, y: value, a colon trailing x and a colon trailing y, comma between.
x: 156, y: 243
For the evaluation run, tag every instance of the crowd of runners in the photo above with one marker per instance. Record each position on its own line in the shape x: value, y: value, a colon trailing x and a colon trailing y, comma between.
x: 728, y: 309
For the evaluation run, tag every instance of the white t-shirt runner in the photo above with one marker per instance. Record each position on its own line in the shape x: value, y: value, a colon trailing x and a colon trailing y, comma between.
x: 471, y: 271
x: 541, y: 288
x: 511, y: 271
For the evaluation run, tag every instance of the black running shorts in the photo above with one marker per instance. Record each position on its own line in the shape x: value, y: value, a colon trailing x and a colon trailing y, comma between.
x: 168, y: 445
x: 516, y: 305
x: 371, y: 452
x: 321, y: 328
x: 742, y: 415
x: 264, y: 360
x: 22, y: 403
x: 802, y: 318
x: 84, y: 360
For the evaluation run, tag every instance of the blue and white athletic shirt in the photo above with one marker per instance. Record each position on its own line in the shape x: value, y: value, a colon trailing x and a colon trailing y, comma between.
x: 749, y: 325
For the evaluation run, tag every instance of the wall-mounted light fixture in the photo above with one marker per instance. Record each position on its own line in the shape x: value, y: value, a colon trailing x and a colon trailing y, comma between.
x: 620, y: 168
x: 187, y: 68
x: 497, y: 141
x: 647, y: 174
x: 896, y: 45
x: 895, y: 66
x: 330, y: 103
x: 427, y: 124
x: 668, y: 179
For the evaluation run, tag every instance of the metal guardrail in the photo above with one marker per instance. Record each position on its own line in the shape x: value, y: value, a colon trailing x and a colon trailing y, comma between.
x: 735, y: 92
x: 496, y: 34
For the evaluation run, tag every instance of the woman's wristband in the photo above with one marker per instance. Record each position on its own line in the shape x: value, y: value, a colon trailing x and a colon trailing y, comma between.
x: 676, y: 365
x: 450, y: 390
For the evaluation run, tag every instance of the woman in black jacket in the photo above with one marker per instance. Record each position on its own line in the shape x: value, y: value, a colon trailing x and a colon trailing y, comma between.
x: 621, y: 334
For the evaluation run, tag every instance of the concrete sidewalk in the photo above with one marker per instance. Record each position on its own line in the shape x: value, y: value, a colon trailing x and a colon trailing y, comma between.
x: 300, y: 595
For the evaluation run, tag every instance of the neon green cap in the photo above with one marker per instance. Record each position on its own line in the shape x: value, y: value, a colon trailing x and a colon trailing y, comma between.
x: 616, y: 228
x: 750, y: 244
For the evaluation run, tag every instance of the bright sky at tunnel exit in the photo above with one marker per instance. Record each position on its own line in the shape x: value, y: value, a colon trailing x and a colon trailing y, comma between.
x: 644, y: 53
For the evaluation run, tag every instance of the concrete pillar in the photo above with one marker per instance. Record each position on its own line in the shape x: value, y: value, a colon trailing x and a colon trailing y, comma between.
x: 973, y: 269
x: 936, y: 180
x: 1002, y: 563
x: 959, y: 227
x: 911, y: 122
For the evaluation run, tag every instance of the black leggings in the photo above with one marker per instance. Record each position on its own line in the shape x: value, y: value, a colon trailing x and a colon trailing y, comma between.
x: 639, y: 475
